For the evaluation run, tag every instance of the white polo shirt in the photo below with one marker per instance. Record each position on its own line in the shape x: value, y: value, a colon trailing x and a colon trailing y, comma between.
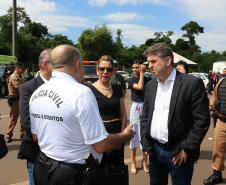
x: 65, y: 117
x: 159, y: 123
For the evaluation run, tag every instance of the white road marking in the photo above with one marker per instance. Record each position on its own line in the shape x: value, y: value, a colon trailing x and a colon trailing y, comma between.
x: 21, y: 183
x: 4, y: 116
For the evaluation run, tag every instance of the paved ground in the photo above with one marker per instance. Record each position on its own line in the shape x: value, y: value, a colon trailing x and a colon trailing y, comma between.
x: 13, y: 171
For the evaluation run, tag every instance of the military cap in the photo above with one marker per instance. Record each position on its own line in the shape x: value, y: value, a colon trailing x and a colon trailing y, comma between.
x: 20, y: 64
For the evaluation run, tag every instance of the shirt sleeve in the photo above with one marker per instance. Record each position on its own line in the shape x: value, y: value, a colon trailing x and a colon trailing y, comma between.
x: 89, y: 118
x: 32, y: 120
x: 131, y: 81
x: 16, y: 81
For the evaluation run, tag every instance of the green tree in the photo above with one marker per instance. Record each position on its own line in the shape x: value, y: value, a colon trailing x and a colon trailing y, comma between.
x: 192, y: 28
x: 32, y: 37
x: 58, y: 39
x: 96, y: 42
x: 161, y: 37
x: 120, y: 53
x: 6, y: 28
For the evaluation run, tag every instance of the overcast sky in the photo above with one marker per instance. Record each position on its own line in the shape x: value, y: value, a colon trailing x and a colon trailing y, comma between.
x: 138, y: 19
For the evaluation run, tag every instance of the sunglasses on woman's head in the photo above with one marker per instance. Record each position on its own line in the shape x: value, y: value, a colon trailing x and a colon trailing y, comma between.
x: 108, y: 69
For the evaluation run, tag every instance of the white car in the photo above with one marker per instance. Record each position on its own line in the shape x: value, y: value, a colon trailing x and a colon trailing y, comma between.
x: 124, y: 74
x: 203, y: 76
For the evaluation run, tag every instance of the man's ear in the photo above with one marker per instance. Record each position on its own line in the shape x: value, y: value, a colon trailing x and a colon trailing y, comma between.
x: 77, y: 66
x: 169, y: 61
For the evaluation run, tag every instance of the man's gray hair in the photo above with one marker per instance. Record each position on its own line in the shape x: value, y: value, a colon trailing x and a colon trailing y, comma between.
x: 161, y: 48
x: 45, y: 55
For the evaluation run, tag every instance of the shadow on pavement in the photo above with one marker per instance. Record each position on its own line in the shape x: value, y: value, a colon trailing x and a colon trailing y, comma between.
x: 206, y: 154
x: 13, y: 147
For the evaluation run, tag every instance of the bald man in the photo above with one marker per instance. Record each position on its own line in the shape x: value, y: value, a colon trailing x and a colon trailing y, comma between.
x: 65, y: 122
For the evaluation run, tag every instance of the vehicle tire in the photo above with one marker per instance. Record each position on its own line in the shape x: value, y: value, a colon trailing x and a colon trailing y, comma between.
x: 3, y: 90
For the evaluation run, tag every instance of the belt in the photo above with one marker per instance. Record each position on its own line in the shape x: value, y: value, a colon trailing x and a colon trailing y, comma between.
x: 112, y: 120
x: 47, y: 159
x: 161, y: 145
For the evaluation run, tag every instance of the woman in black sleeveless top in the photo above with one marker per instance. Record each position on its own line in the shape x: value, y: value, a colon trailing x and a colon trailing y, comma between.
x: 111, y: 105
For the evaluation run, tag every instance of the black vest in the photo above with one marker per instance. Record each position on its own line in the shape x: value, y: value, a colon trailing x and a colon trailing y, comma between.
x: 222, y: 97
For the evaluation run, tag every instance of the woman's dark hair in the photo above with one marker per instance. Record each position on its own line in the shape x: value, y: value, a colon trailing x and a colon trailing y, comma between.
x: 184, y: 64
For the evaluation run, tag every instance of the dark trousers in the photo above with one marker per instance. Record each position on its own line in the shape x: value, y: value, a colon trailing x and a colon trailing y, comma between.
x: 50, y: 172
x: 161, y: 166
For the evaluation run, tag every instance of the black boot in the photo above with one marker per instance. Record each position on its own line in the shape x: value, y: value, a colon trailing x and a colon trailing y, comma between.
x: 214, y: 178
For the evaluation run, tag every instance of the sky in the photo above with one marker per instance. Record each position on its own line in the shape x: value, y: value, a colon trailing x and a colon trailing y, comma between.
x: 138, y: 19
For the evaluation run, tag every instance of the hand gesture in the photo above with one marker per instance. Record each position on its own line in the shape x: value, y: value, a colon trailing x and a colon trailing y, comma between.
x: 142, y: 68
x: 128, y: 133
x: 180, y: 158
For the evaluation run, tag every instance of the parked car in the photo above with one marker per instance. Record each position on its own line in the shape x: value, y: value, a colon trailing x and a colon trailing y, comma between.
x: 203, y: 76
x: 90, y: 71
x: 148, y: 75
x: 5, y: 71
x: 124, y: 74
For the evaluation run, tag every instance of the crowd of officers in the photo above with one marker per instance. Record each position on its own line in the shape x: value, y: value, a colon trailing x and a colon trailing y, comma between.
x: 69, y: 73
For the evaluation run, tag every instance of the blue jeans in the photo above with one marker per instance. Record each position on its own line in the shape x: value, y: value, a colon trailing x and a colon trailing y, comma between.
x: 30, y: 168
x: 161, y: 166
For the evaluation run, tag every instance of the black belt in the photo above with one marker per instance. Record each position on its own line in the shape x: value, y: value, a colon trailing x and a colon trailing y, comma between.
x: 59, y: 163
x: 161, y: 145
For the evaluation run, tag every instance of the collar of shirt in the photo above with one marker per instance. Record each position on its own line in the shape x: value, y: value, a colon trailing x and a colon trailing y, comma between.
x: 171, y: 77
x: 59, y: 74
x: 45, y: 80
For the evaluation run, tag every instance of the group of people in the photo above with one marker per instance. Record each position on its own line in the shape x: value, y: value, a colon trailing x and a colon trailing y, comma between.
x: 214, y: 78
x: 63, y: 119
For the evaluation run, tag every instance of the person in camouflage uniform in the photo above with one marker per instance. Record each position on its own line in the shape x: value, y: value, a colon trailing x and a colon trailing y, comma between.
x: 14, y: 82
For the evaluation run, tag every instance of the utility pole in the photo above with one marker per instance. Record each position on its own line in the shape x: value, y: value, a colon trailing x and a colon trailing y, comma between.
x: 14, y: 30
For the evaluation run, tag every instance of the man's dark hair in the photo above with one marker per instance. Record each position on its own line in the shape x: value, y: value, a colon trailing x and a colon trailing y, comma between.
x: 137, y: 61
x: 161, y: 48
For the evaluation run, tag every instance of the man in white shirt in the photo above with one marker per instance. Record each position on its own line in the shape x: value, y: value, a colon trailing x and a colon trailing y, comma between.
x: 65, y: 122
x: 175, y: 119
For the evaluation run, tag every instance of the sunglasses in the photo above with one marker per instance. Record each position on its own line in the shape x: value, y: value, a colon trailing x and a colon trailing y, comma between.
x: 108, y: 69
x: 135, y: 67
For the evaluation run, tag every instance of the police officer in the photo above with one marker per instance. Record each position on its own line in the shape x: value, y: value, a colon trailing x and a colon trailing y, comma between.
x: 118, y: 79
x: 65, y: 122
x: 14, y: 82
x: 218, y: 103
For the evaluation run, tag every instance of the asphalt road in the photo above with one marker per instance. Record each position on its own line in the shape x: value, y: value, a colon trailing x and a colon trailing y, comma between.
x: 13, y: 171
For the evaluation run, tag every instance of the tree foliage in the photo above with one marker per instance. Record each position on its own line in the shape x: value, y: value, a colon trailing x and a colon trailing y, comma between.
x: 96, y: 42
x: 192, y: 28
x: 33, y: 37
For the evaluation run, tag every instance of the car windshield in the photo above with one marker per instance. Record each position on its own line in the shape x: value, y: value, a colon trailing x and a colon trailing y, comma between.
x: 90, y: 69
